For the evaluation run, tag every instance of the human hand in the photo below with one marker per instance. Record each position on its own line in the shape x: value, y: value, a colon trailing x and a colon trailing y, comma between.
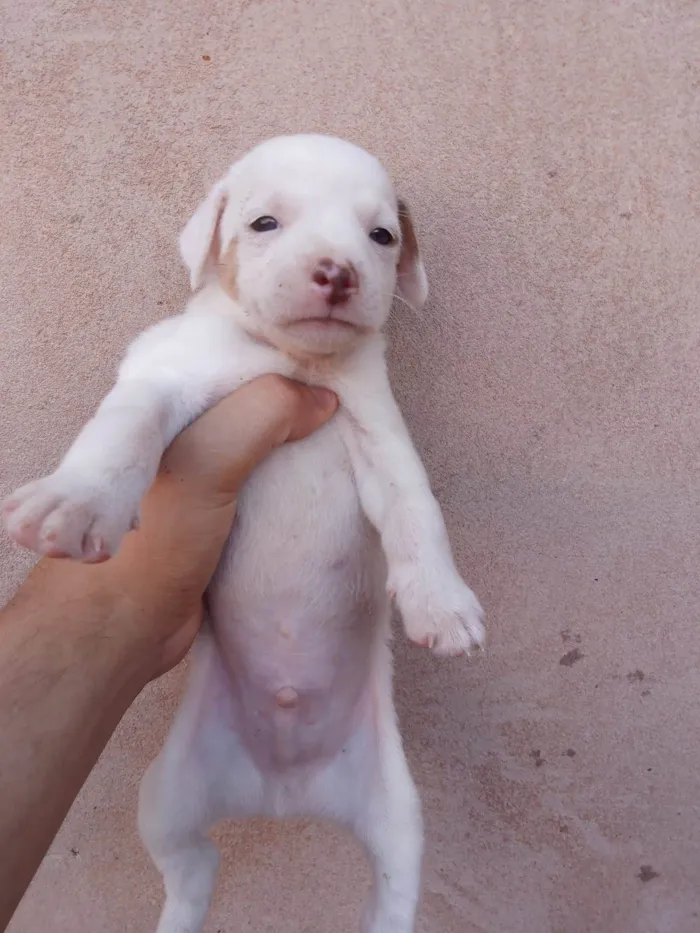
x: 162, y: 569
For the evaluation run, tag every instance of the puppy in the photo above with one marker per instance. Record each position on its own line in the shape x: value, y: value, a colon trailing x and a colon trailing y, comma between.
x: 294, y: 258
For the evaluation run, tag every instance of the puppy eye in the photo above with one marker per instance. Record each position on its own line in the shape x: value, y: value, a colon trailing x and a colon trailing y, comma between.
x: 264, y: 224
x: 382, y: 236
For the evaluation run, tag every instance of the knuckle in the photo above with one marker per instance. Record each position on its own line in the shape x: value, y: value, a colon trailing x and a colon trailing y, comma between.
x: 281, y: 389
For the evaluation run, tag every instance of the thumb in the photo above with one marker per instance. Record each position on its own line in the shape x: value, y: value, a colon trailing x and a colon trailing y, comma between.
x: 222, y: 446
x: 315, y: 406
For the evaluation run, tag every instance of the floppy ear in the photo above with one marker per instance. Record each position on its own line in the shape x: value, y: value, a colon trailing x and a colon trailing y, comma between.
x: 199, y: 241
x: 411, y: 280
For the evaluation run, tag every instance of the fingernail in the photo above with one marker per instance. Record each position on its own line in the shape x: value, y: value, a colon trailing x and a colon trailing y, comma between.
x: 325, y: 399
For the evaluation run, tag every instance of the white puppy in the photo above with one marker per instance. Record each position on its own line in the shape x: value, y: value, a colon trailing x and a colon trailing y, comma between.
x: 295, y: 257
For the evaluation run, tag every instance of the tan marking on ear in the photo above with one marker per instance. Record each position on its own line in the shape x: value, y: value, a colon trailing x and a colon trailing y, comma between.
x: 211, y: 260
x: 409, y: 241
x: 228, y: 270
x: 411, y: 281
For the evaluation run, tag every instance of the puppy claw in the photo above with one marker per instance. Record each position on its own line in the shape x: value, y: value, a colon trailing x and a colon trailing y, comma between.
x: 454, y: 624
x: 65, y: 515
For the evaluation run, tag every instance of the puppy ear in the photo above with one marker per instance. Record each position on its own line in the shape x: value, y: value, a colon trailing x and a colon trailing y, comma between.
x: 199, y: 241
x: 411, y: 280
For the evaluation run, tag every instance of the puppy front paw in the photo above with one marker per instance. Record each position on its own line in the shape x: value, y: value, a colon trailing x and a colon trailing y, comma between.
x: 68, y: 515
x: 447, y: 617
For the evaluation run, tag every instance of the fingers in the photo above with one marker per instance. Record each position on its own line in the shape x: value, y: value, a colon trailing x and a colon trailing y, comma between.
x: 221, y: 447
x: 306, y: 409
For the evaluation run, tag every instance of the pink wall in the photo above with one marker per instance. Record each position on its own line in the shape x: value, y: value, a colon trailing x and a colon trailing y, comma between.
x: 551, y: 153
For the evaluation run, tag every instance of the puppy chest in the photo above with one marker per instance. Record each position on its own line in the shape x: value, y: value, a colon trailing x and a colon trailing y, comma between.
x: 303, y: 567
x: 300, y: 529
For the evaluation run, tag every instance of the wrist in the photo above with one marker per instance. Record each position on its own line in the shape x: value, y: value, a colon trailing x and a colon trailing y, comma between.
x: 81, y: 619
x: 172, y: 556
x: 158, y: 576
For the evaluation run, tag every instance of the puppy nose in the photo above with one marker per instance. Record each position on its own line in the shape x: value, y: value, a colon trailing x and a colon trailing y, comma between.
x: 337, y: 282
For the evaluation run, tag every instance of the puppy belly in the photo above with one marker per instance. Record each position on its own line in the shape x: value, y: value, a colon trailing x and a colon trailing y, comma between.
x: 295, y: 604
x: 295, y: 701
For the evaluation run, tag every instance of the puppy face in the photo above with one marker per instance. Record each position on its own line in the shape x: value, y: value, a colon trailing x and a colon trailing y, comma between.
x: 306, y: 234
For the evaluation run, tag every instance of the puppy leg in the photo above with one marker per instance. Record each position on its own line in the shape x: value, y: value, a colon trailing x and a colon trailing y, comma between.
x: 172, y: 374
x: 390, y: 827
x: 369, y: 789
x: 201, y: 775
x: 439, y: 610
x: 173, y: 831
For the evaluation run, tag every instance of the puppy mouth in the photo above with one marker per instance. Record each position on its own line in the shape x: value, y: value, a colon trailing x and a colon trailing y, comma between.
x: 324, y: 321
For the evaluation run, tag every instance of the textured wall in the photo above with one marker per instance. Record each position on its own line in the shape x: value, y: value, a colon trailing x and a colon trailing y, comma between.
x: 550, y: 151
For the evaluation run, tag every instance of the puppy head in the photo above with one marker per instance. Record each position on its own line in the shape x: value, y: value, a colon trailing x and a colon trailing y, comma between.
x: 306, y: 234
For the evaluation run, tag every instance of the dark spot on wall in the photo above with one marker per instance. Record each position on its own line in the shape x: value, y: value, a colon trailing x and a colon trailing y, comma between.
x: 536, y: 756
x: 646, y: 693
x: 206, y: 58
x: 647, y: 873
x: 635, y: 677
x: 626, y: 215
x: 552, y: 173
x: 566, y: 635
x: 570, y: 753
x: 571, y: 657
x: 74, y: 852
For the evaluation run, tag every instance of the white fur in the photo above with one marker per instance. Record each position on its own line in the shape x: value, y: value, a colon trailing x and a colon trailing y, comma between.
x: 300, y: 598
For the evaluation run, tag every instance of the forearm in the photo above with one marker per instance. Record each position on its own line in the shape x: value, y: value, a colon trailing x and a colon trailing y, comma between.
x: 77, y: 645
x: 439, y: 610
x: 395, y: 492
x: 68, y: 672
x: 121, y: 445
x: 78, y: 642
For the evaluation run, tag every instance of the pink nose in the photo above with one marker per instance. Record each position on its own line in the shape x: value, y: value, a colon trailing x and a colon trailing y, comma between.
x: 336, y: 282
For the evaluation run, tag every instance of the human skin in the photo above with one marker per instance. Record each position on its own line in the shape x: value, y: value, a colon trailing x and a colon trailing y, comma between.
x: 78, y: 642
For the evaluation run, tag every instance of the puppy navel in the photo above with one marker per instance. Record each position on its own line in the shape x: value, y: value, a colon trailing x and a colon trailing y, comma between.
x: 228, y: 270
x: 287, y: 698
